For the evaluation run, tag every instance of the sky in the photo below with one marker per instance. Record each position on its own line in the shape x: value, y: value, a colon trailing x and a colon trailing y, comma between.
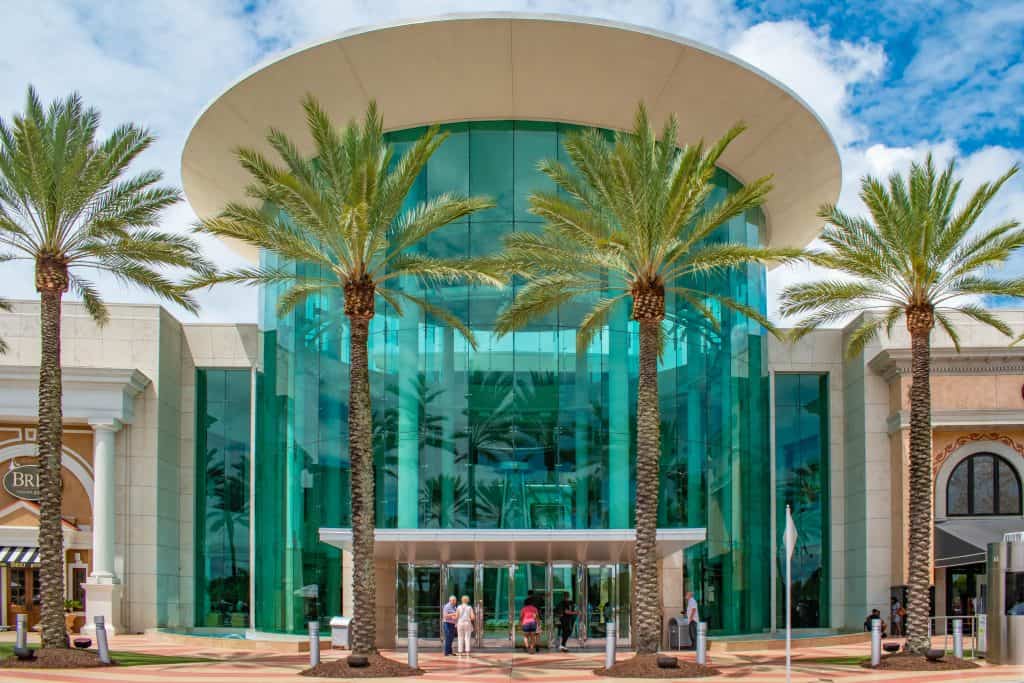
x: 892, y: 79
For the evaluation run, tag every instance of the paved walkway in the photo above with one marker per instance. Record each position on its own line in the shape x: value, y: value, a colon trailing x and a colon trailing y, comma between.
x: 489, y: 667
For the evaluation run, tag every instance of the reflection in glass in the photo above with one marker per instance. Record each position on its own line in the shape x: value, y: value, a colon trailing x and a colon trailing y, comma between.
x: 222, y: 497
x: 801, y: 481
x: 521, y: 432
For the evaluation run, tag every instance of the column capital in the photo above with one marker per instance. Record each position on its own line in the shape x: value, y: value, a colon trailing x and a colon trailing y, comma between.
x: 105, y: 424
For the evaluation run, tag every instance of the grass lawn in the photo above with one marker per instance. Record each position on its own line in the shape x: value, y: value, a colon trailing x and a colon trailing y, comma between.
x: 124, y: 658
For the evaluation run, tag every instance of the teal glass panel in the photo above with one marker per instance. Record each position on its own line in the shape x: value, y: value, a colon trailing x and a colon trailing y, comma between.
x: 521, y: 432
x: 801, y: 481
x: 223, y: 409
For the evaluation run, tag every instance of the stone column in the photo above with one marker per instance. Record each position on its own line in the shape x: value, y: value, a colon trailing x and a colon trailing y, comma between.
x: 673, y: 598
x: 103, y: 589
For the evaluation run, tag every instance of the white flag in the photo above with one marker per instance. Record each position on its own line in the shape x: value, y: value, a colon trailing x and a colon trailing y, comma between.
x: 790, y: 536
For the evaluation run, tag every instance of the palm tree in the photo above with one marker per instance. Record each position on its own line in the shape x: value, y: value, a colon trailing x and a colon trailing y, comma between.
x: 66, y: 205
x: 917, y: 257
x: 631, y: 222
x: 340, y: 211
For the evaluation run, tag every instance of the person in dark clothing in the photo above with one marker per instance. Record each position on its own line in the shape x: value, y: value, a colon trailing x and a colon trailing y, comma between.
x: 875, y: 614
x: 567, y: 614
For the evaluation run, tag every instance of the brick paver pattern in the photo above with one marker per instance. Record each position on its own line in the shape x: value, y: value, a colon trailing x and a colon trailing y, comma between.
x: 488, y: 667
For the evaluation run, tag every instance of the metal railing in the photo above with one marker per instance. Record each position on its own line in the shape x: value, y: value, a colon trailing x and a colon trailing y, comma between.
x: 943, y: 626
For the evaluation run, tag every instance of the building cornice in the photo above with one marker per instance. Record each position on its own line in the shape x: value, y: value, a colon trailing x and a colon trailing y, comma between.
x: 961, y: 419
x: 981, y: 360
x: 89, y: 394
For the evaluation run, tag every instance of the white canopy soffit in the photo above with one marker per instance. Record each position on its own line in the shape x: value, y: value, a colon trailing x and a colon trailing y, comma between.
x: 528, y: 67
x: 513, y: 545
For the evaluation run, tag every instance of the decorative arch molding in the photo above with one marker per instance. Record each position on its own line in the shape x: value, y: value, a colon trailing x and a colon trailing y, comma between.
x: 70, y: 460
x: 940, y: 458
x: 964, y: 447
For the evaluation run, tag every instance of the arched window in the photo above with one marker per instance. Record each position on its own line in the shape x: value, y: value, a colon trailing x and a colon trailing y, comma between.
x: 983, y: 484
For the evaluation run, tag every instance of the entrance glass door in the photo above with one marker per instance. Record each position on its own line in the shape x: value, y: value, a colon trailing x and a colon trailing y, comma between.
x: 532, y: 588
x: 607, y: 601
x: 565, y: 587
x: 419, y: 597
x: 496, y: 606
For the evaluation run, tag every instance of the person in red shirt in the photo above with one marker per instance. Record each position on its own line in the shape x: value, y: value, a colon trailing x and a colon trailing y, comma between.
x: 529, y: 621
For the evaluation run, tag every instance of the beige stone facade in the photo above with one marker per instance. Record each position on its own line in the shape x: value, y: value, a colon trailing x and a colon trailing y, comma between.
x: 135, y: 376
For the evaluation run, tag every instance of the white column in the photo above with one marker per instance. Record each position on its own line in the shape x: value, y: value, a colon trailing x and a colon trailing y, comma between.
x: 103, y: 589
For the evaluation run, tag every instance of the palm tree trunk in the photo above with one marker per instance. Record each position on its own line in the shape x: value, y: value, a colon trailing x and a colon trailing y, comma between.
x: 360, y: 444
x: 920, y: 556
x: 49, y: 438
x: 648, y: 455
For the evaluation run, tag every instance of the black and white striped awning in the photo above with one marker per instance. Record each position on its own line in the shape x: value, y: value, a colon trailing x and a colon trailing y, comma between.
x: 18, y: 556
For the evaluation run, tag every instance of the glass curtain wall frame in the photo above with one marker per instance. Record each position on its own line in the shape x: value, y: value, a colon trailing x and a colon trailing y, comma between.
x: 522, y: 432
x: 802, y: 481
x: 222, y: 491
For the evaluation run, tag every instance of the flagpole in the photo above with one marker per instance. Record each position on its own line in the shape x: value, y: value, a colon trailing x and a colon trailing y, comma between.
x: 789, y: 616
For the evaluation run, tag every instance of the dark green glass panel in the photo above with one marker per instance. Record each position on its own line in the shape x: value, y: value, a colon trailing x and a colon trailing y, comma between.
x: 221, y: 545
x: 801, y: 481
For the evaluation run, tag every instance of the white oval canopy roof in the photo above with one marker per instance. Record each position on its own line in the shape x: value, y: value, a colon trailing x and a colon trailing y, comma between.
x: 529, y: 67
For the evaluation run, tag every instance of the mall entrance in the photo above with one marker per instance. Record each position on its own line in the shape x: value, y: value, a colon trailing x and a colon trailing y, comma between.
x: 600, y: 591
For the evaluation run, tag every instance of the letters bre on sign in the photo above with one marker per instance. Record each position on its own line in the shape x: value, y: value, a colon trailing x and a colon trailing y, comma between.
x: 23, y: 482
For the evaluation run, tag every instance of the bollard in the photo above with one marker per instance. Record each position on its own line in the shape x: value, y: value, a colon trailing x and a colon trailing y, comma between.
x: 958, y: 638
x: 314, y: 643
x: 21, y: 638
x: 101, y: 639
x: 609, y: 645
x: 702, y: 642
x: 414, y: 644
x: 876, y: 642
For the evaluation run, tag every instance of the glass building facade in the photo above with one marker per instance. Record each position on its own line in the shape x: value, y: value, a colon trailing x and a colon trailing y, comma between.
x: 223, y: 429
x: 801, y: 481
x: 522, y: 432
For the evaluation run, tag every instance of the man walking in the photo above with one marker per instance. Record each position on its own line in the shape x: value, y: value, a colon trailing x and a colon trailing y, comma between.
x: 692, y: 618
x: 567, y: 613
x: 449, y: 617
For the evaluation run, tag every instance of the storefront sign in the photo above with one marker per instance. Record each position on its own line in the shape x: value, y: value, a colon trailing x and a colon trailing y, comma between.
x: 23, y: 482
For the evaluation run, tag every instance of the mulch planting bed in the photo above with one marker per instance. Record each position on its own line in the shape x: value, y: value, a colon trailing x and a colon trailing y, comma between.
x: 57, y: 658
x: 646, y: 666
x: 906, y: 661
x: 377, y: 667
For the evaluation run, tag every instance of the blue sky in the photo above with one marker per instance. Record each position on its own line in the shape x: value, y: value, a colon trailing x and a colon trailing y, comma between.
x: 891, y: 79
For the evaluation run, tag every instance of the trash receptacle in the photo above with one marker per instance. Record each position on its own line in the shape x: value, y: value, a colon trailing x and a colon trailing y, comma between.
x: 678, y: 634
x: 339, y: 631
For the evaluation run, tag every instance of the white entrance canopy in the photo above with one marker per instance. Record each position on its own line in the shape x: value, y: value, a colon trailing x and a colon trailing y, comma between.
x: 513, y: 545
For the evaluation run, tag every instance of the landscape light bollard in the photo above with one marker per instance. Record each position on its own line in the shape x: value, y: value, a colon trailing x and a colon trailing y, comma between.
x: 314, y: 643
x: 101, y: 640
x: 876, y: 641
x: 21, y: 638
x: 414, y: 644
x: 609, y: 645
x: 702, y: 642
x: 958, y: 638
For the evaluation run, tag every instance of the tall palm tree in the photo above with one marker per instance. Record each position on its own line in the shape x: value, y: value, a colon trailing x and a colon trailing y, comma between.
x: 631, y: 223
x: 341, y: 211
x: 67, y: 205
x: 916, y: 258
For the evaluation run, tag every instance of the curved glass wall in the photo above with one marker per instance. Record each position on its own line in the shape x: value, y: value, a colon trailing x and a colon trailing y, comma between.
x: 522, y: 432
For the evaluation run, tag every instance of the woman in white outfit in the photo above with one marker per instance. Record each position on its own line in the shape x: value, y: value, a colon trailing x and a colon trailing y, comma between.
x: 465, y: 617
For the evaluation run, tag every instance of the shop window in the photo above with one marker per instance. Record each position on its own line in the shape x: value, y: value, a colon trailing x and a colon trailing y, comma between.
x: 983, y: 484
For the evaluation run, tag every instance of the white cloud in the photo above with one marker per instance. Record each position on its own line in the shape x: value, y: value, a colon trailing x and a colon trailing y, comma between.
x: 158, y: 62
x: 818, y: 68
